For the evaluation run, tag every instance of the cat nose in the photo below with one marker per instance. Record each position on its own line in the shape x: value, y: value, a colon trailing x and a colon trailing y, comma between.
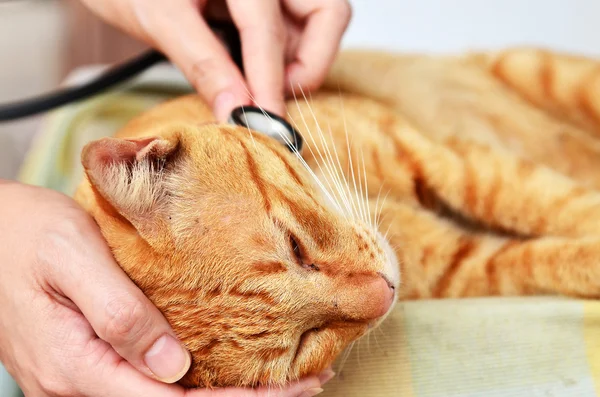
x: 367, y: 300
x: 362, y: 297
x: 383, y: 293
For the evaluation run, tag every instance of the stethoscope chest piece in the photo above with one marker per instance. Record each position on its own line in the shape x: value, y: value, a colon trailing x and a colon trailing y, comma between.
x: 269, y: 124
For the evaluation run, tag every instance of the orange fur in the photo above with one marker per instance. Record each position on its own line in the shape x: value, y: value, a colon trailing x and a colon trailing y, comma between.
x: 468, y: 177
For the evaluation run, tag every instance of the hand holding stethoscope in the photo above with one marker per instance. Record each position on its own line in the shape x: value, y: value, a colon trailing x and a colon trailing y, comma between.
x: 282, y: 41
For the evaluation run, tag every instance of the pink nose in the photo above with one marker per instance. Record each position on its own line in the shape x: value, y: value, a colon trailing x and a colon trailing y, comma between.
x: 383, y: 295
x: 367, y: 299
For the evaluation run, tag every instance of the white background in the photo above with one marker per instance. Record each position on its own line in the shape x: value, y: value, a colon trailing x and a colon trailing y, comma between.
x: 456, y: 25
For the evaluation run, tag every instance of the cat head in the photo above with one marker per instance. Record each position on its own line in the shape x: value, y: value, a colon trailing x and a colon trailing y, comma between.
x: 227, y: 232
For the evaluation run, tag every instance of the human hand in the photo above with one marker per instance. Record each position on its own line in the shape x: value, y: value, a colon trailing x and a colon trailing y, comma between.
x: 282, y: 41
x: 72, y: 323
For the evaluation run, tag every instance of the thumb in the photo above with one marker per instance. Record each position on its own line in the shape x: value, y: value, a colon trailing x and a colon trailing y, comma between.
x: 84, y: 270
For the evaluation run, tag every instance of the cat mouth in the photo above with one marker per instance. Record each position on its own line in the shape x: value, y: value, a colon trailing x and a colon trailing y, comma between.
x: 304, y: 341
x: 314, y: 338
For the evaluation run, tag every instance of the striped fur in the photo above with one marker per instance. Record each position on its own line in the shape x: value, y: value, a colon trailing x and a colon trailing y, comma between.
x: 472, y: 175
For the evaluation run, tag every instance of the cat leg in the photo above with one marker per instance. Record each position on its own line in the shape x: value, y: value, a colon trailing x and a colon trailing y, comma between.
x: 562, y: 84
x: 456, y: 97
x: 442, y: 260
x: 494, y: 187
x: 499, y: 189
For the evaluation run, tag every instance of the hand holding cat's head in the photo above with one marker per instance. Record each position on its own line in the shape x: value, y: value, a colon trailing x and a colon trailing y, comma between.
x: 229, y: 235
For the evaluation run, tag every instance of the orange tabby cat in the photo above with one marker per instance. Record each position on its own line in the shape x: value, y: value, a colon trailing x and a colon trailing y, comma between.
x: 466, y: 176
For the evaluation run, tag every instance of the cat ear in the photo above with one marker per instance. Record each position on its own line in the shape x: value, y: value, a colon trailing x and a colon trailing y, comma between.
x: 129, y: 173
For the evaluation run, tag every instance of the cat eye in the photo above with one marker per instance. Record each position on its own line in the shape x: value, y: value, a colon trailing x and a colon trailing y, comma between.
x: 298, y: 254
x: 295, y: 248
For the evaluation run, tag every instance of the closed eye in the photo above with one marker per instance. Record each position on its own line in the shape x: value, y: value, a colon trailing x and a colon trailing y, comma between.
x: 298, y: 253
x: 296, y: 250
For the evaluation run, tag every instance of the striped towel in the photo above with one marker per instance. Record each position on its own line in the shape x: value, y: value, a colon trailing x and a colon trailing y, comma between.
x: 488, y: 347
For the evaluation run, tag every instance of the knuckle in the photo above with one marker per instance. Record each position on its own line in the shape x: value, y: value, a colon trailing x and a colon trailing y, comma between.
x: 278, y: 32
x: 126, y: 321
x: 277, y: 28
x: 52, y: 386
x: 95, y: 356
x: 343, y: 10
x: 312, y: 80
x: 256, y: 33
x: 71, y: 223
x: 209, y: 72
x: 69, y: 226
x: 314, y: 83
x: 59, y: 235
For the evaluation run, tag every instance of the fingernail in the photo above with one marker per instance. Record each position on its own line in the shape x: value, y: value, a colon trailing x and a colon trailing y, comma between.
x: 223, y: 105
x: 167, y: 359
x: 311, y: 392
x: 326, y: 376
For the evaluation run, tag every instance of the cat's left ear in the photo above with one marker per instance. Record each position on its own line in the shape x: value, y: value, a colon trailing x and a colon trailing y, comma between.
x: 130, y: 174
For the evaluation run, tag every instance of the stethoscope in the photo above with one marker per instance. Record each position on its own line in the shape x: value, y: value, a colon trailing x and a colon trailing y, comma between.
x: 251, y: 117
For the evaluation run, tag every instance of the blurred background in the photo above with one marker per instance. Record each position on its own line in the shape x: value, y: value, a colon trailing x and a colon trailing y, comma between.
x: 41, y: 41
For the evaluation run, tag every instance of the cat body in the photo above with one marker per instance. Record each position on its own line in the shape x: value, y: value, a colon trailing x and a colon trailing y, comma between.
x: 421, y: 177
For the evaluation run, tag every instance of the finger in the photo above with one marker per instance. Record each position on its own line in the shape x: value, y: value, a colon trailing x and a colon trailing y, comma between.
x: 326, y: 375
x: 263, y: 38
x: 81, y: 364
x: 181, y: 33
x: 126, y: 381
x: 326, y: 22
x: 94, y: 368
x: 306, y: 387
x: 82, y: 268
x: 294, y: 34
x: 111, y: 376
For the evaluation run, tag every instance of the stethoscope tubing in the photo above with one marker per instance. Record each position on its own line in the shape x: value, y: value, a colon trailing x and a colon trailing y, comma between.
x: 112, y: 77
x: 123, y: 72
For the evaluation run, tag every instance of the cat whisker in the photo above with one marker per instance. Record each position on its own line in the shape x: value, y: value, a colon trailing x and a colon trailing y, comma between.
x: 336, y: 166
x: 300, y: 158
x: 362, y: 196
x: 340, y: 179
x: 249, y: 130
x: 326, y: 164
x: 312, y: 152
x: 350, y: 162
x: 369, y: 343
x: 385, y: 236
x: 379, y: 211
x: 326, y: 189
x: 359, y: 192
x: 375, y: 211
x: 349, y: 169
x: 395, y: 246
x: 358, y: 355
x: 344, y: 357
x: 368, y: 219
x: 333, y: 170
x: 382, y: 218
x: 344, y: 181
x: 376, y: 340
